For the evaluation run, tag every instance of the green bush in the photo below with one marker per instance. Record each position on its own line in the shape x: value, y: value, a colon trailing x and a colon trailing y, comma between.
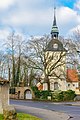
x: 56, y: 95
x: 63, y: 95
x: 69, y: 95
x: 34, y: 88
x: 36, y: 91
x: 42, y: 95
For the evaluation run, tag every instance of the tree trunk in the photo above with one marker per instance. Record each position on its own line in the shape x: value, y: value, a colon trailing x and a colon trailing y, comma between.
x: 17, y: 78
x: 48, y: 82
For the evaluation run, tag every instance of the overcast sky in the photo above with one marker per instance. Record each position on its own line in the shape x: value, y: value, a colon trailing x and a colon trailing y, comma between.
x: 35, y: 17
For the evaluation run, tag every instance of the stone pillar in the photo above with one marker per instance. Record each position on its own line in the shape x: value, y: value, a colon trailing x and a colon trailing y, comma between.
x: 1, y: 109
x: 5, y: 95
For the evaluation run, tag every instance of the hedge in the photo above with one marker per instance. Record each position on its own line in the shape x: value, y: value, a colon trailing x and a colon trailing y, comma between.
x: 56, y: 95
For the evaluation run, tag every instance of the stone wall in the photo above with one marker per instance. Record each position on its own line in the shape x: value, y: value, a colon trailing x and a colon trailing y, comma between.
x: 20, y: 93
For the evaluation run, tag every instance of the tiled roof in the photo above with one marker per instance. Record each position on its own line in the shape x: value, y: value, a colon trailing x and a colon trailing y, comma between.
x: 72, y: 75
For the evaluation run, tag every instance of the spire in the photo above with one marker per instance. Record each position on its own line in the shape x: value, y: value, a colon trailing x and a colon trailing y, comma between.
x: 54, y: 31
x: 54, y: 22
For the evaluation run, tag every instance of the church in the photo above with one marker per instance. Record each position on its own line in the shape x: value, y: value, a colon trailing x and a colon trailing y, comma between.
x: 55, y: 55
x: 57, y: 75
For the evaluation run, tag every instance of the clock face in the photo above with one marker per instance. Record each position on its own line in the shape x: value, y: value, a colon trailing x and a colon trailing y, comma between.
x: 55, y: 45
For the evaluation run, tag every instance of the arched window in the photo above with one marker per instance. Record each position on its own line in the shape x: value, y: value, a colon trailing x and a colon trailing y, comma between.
x: 56, y: 86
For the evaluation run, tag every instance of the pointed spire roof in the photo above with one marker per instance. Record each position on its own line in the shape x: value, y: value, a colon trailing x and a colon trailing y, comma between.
x: 54, y: 22
x: 54, y: 31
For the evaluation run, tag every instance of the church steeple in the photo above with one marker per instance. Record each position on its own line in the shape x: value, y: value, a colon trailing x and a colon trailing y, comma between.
x: 54, y: 22
x: 54, y: 31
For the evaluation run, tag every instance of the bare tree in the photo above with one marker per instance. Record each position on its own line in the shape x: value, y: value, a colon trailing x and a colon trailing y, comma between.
x: 14, y: 50
x: 41, y: 60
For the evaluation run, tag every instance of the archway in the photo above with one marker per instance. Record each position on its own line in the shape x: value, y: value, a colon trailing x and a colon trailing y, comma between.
x: 28, y: 94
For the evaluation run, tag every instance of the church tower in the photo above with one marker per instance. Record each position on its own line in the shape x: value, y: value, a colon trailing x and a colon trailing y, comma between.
x: 55, y: 56
x: 54, y: 31
x: 55, y: 44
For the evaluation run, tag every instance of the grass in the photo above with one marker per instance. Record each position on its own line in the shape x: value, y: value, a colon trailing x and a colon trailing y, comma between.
x: 22, y: 116
x: 1, y: 117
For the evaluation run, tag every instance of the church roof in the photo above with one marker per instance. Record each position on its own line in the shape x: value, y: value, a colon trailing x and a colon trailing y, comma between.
x: 72, y: 75
x: 55, y: 45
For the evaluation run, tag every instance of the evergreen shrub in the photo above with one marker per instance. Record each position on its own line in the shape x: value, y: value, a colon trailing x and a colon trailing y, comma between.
x: 63, y: 95
x: 56, y: 95
x: 42, y: 95
x: 69, y: 95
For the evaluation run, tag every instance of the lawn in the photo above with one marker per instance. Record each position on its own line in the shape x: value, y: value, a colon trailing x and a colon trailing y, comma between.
x: 1, y: 117
x: 22, y: 116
